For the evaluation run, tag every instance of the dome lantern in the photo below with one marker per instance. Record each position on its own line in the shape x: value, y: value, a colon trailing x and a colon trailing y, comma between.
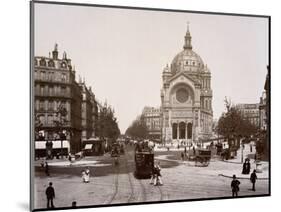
x: 187, y: 39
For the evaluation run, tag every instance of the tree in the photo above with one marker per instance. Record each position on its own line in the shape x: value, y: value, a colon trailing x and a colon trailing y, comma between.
x: 138, y: 129
x: 107, y: 123
x: 233, y: 125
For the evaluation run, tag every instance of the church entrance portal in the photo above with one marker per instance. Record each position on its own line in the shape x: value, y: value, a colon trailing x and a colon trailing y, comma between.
x: 182, y: 130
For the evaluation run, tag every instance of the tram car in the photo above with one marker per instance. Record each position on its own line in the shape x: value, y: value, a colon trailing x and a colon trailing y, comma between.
x: 202, y: 157
x: 144, y: 160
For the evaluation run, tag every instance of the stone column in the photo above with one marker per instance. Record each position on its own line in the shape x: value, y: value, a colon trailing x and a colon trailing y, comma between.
x: 178, y: 131
x: 192, y: 130
x: 186, y: 130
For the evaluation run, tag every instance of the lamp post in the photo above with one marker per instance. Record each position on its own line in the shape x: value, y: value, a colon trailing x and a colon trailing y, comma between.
x: 242, y: 148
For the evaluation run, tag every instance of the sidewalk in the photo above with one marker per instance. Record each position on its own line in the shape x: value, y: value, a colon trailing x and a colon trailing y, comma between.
x: 221, y: 168
x: 238, y: 160
x: 86, y: 161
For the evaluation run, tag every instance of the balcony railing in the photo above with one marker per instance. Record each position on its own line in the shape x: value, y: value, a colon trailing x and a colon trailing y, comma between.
x: 53, y: 94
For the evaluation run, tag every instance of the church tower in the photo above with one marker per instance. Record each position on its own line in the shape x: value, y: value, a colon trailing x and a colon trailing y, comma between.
x: 186, y: 97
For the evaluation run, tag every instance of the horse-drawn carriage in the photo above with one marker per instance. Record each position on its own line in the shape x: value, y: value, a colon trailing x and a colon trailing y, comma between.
x: 115, y: 150
x: 202, y: 157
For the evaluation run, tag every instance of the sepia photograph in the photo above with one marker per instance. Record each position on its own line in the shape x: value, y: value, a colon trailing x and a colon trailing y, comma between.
x: 141, y: 105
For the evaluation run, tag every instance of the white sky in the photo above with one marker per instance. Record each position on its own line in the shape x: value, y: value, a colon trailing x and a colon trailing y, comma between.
x: 121, y: 53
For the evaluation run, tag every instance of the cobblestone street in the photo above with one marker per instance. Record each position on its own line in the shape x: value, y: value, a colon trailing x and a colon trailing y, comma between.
x: 111, y: 184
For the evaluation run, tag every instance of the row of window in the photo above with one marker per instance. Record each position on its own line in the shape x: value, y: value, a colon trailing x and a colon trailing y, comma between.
x: 207, y: 104
x: 252, y: 111
x: 206, y: 123
x: 50, y: 76
x: 49, y: 119
x: 50, y: 105
x: 50, y: 63
x: 190, y: 63
x: 153, y: 125
x: 52, y: 90
x: 206, y: 83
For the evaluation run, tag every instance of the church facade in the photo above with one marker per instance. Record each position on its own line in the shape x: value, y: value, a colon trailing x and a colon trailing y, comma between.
x: 186, y: 97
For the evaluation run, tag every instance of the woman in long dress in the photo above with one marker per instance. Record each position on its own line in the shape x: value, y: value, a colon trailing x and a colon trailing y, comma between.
x: 83, y: 176
x: 87, y: 175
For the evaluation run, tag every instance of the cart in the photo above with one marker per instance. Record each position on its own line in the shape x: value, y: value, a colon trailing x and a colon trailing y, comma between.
x: 202, y: 157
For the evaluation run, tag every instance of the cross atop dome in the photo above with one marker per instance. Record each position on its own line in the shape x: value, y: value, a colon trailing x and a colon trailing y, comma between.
x: 187, y: 38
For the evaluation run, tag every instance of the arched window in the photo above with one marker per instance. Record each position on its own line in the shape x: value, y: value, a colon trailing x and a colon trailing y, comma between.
x: 51, y: 63
x: 35, y: 62
x: 182, y: 130
x: 175, y: 130
x: 189, y: 131
x: 63, y: 65
x: 42, y: 62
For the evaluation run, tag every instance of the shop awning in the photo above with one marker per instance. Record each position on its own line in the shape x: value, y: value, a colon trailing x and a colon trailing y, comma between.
x: 56, y: 144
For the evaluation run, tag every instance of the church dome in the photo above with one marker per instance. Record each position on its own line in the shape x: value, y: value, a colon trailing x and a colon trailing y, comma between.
x: 187, y: 60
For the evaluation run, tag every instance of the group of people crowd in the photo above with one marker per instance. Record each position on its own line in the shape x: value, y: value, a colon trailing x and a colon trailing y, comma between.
x: 245, y: 171
x: 235, y: 183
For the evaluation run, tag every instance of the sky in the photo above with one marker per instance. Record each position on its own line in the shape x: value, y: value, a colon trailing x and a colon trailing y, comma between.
x: 121, y: 53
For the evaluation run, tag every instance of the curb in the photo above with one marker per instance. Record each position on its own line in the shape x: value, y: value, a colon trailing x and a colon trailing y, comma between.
x: 231, y: 162
x: 244, y: 178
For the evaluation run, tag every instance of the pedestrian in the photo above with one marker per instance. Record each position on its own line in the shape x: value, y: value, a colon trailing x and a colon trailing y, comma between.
x: 235, y: 186
x: 74, y: 204
x: 153, y: 174
x: 50, y: 193
x: 182, y: 156
x: 253, y: 179
x: 69, y: 157
x: 244, y: 169
x: 251, y: 148
x: 87, y: 175
x: 193, y: 150
x: 83, y: 174
x: 248, y: 167
x: 158, y: 180
x: 47, y: 171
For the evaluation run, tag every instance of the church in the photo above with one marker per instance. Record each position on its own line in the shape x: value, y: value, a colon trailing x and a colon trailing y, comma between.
x: 186, y: 97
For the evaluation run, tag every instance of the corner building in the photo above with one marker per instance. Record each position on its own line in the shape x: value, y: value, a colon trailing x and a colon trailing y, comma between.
x: 152, y: 118
x: 54, y: 87
x: 186, y: 97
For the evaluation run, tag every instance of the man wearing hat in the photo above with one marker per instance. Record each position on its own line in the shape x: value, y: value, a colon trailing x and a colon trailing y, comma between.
x: 235, y: 186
